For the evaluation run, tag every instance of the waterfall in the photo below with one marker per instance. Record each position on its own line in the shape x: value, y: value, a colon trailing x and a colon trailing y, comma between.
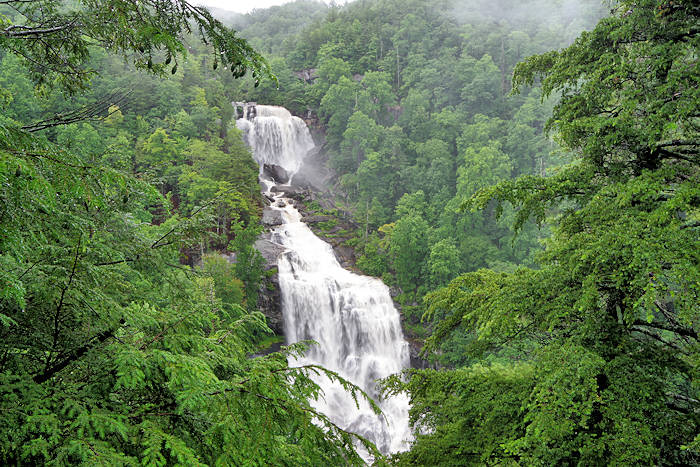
x: 352, y: 317
x: 275, y: 136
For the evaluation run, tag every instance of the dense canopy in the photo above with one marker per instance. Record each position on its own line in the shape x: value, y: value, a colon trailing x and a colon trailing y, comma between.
x: 522, y: 174
x: 126, y: 338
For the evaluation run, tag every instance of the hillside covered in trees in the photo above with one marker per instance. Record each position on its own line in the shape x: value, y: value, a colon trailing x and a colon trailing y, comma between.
x: 523, y: 174
x: 414, y: 100
x: 125, y: 336
x: 538, y: 217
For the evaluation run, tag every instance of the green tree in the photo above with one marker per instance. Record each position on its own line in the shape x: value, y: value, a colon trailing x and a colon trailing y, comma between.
x: 377, y: 84
x: 612, y: 310
x: 415, y: 116
x: 374, y: 260
x: 203, y: 115
x: 434, y: 172
x: 183, y: 126
x: 160, y: 155
x: 336, y: 107
x: 361, y: 136
x: 81, y: 139
x: 376, y: 188
x: 411, y: 203
x: 409, y: 246
x: 249, y: 262
x: 226, y: 181
x: 443, y: 262
x: 54, y: 40
x: 482, y: 84
x: 20, y: 103
x: 330, y: 70
x: 471, y: 412
x: 482, y: 167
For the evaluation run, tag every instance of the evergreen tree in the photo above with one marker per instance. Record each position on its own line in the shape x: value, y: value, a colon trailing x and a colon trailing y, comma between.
x: 607, y: 325
x: 112, y: 349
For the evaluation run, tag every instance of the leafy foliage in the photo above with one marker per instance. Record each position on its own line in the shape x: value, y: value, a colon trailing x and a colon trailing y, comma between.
x: 114, y: 348
x: 54, y: 38
x: 412, y: 97
x: 608, y: 322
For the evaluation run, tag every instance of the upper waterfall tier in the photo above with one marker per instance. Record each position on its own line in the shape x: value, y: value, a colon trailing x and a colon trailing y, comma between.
x: 276, y: 136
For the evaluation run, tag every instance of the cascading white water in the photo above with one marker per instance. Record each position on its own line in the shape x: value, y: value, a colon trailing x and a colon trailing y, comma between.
x: 352, y: 317
x: 275, y: 136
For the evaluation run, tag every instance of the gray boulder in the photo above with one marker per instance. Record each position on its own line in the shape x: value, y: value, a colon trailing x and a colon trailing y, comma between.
x: 276, y: 173
x: 269, y: 297
x: 270, y: 303
x: 315, y: 219
x: 345, y: 256
x: 272, y: 217
x: 269, y: 251
x: 290, y: 192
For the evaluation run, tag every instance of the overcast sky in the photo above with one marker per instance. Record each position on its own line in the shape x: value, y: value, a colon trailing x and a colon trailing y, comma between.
x: 244, y: 6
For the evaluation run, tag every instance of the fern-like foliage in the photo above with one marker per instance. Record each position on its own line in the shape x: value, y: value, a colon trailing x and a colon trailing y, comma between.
x: 112, y: 352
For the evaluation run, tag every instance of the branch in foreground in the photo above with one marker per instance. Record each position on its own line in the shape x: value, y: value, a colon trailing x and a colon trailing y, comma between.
x: 75, y: 355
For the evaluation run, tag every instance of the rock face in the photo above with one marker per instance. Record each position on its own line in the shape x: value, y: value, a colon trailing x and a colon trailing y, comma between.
x: 270, y: 251
x: 308, y: 75
x: 275, y: 172
x: 230, y: 257
x: 414, y: 349
x: 269, y: 298
x: 293, y: 192
x: 270, y: 303
x: 314, y: 219
x: 271, y: 217
x: 345, y: 256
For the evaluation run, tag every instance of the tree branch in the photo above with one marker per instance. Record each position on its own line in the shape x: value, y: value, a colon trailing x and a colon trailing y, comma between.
x: 57, y: 314
x: 24, y: 31
x: 37, y: 155
x: 659, y: 339
x: 687, y: 332
x: 666, y: 154
x: 678, y: 142
x: 75, y: 355
x: 88, y: 112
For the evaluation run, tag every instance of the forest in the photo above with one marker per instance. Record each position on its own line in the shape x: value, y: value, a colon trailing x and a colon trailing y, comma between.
x: 522, y: 175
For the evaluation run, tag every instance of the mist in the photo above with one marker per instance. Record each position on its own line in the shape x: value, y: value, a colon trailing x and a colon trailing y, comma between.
x: 539, y: 11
